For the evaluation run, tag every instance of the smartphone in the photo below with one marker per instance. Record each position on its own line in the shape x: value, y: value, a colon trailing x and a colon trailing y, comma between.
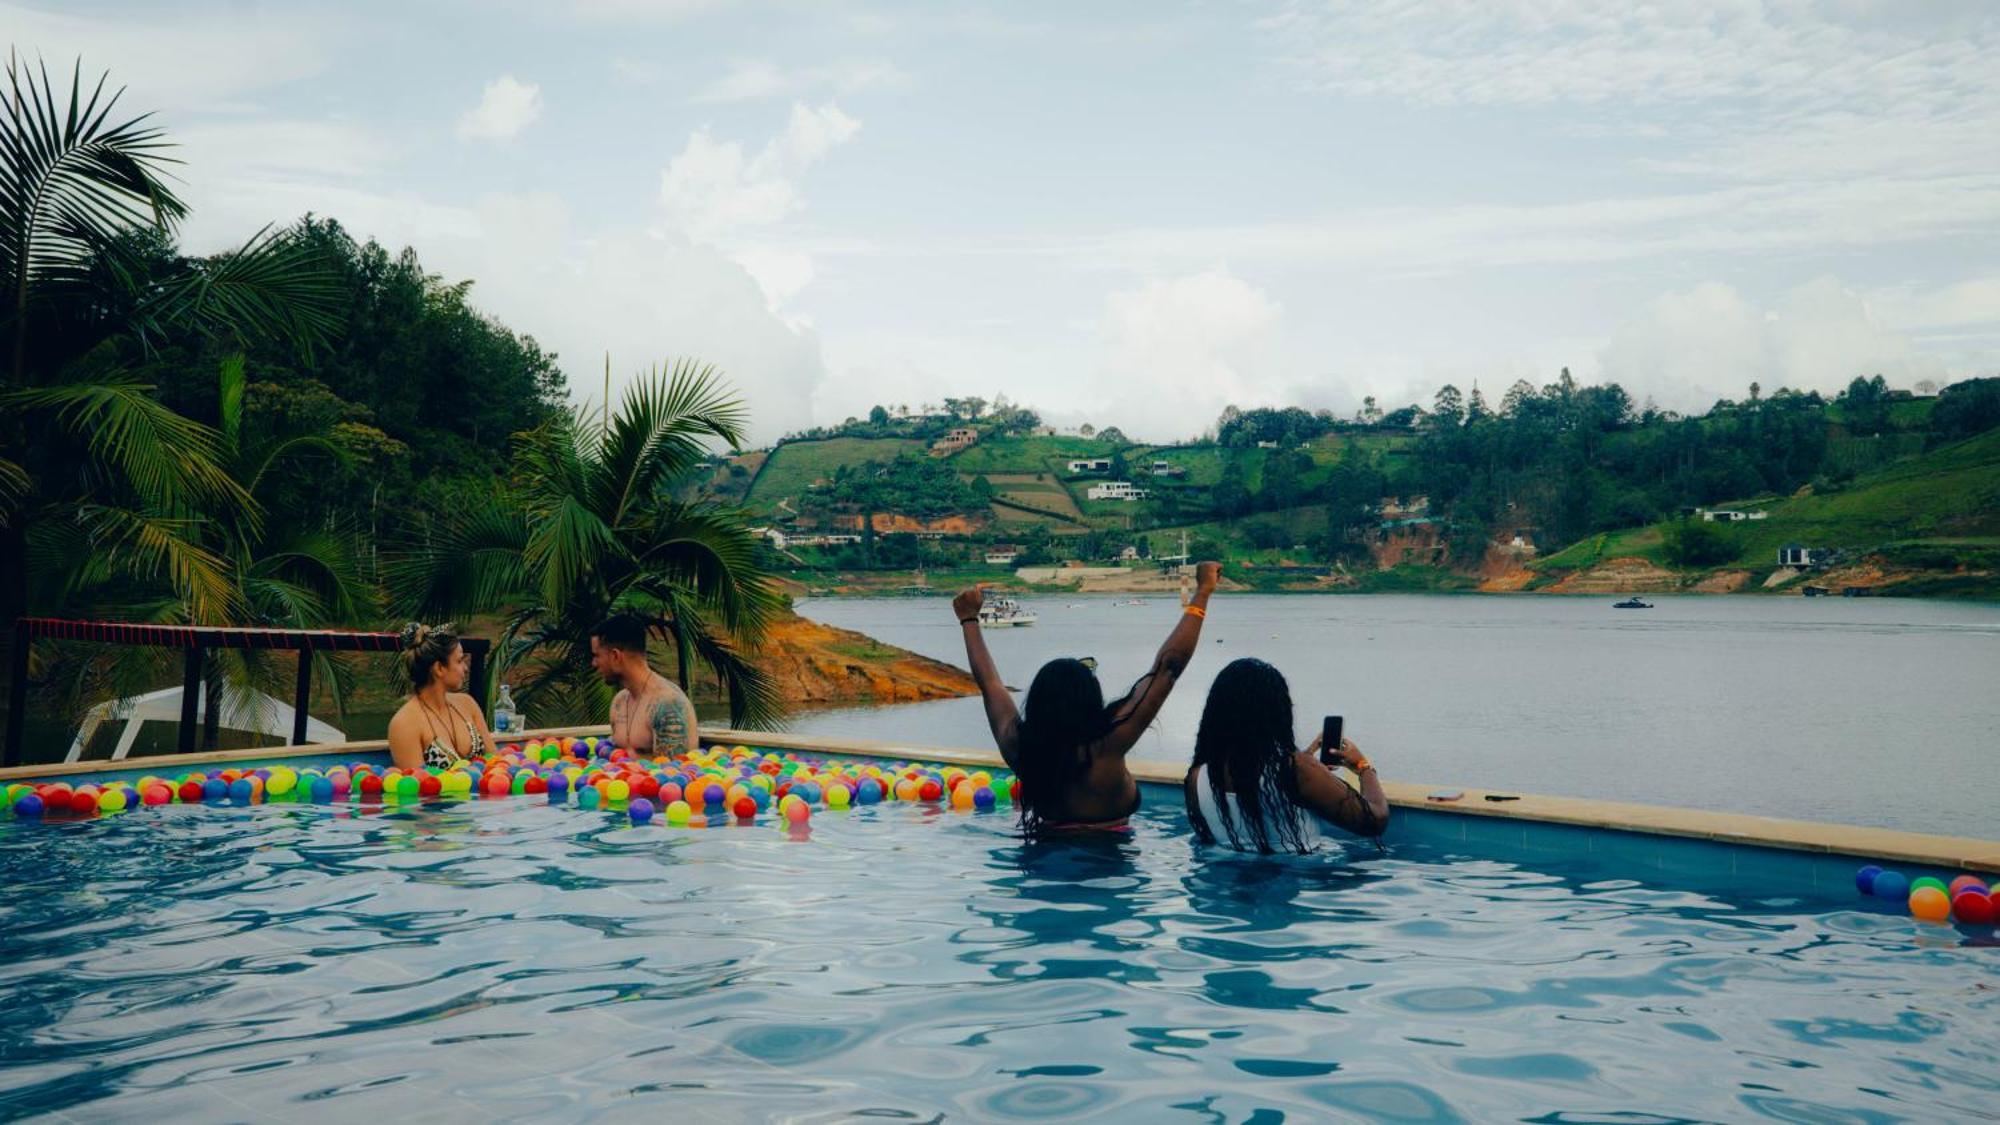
x: 1329, y: 738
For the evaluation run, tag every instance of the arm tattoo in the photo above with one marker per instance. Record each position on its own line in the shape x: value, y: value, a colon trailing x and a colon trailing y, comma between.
x: 670, y: 724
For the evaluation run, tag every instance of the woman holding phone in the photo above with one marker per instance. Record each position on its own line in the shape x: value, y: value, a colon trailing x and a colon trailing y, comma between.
x: 1251, y: 788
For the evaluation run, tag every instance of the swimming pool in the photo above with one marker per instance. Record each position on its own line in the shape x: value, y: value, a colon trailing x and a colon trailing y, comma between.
x: 510, y: 958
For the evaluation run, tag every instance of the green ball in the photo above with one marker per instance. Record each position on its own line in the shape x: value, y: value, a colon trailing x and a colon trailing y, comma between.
x: 1928, y: 881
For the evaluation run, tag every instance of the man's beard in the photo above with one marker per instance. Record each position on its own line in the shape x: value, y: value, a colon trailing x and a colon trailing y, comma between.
x: 613, y: 679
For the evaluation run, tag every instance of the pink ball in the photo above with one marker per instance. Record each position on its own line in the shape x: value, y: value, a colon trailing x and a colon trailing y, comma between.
x: 798, y: 812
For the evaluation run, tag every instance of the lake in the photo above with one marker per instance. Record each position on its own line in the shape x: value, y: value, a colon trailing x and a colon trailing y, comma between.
x: 1872, y: 711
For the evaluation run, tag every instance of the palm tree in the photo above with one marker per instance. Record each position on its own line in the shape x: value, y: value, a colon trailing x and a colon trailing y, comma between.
x: 90, y: 460
x: 589, y: 526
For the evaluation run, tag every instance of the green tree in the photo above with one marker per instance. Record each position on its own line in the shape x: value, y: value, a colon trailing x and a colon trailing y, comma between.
x: 1699, y: 543
x: 588, y: 527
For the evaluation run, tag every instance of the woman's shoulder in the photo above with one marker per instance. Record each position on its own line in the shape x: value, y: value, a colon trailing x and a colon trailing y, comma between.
x: 462, y: 703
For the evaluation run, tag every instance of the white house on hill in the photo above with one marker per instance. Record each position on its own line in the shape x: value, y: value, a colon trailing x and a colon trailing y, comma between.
x: 1117, y: 490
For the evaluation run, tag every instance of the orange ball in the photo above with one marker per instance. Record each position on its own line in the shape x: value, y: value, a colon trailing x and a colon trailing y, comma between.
x: 1930, y: 904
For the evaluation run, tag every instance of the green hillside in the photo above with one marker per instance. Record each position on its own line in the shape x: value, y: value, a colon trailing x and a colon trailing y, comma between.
x: 794, y: 466
x: 1949, y: 497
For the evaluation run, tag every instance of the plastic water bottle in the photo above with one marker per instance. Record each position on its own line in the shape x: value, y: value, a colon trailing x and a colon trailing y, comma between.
x: 504, y: 719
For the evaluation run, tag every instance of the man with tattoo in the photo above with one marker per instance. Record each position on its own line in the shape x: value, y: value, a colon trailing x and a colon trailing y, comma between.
x: 649, y: 713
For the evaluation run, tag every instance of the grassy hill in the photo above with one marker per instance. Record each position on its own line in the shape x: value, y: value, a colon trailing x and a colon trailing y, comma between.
x: 1941, y: 506
x: 792, y: 467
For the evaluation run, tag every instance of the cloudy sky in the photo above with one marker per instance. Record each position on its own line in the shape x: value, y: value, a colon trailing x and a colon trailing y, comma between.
x: 1132, y: 213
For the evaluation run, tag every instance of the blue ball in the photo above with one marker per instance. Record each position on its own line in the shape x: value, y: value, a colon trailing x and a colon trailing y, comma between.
x: 869, y: 793
x: 239, y: 789
x: 1892, y: 886
x: 641, y: 810
x: 558, y: 784
x: 29, y: 805
x: 1864, y: 879
x: 322, y: 790
x: 214, y: 789
x: 761, y: 796
x: 588, y: 799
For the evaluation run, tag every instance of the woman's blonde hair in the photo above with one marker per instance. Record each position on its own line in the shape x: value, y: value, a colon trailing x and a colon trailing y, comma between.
x: 424, y: 648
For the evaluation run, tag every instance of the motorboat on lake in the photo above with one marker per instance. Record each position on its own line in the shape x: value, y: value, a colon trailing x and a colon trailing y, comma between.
x: 1632, y: 603
x: 1003, y: 613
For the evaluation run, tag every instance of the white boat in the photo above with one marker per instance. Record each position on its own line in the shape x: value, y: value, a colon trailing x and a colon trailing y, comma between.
x: 1002, y: 613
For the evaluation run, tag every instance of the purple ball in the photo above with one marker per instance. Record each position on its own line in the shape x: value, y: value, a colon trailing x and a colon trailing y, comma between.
x: 641, y: 810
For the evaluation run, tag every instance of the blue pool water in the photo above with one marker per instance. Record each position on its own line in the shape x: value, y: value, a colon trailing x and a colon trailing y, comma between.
x: 506, y: 958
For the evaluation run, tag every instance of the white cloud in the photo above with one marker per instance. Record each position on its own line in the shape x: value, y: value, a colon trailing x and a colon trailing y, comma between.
x: 1178, y: 350
x: 181, y: 60
x: 1688, y: 348
x: 756, y: 79
x: 506, y: 107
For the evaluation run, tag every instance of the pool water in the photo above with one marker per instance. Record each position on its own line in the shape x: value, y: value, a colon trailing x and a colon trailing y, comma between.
x: 512, y: 959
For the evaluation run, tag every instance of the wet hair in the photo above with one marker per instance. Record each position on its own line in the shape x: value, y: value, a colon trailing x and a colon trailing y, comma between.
x: 424, y: 648
x: 1062, y: 720
x: 1246, y: 737
x: 624, y: 631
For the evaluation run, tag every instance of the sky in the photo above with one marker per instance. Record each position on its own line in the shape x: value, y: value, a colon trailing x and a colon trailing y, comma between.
x: 1123, y: 213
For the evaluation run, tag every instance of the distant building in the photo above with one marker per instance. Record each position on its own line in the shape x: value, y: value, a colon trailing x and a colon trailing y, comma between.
x: 1002, y: 556
x: 1128, y: 553
x: 1729, y: 515
x: 1168, y: 469
x: 955, y: 440
x: 1117, y: 490
x: 1091, y: 465
x: 1794, y: 554
x: 833, y: 540
x: 1267, y: 445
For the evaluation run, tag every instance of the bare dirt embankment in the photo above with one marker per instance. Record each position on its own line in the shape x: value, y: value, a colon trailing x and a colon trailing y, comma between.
x: 819, y: 664
x: 1620, y: 576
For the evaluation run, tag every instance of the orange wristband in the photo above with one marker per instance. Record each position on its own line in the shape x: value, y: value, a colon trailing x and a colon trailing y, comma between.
x: 1360, y: 763
x: 1195, y: 611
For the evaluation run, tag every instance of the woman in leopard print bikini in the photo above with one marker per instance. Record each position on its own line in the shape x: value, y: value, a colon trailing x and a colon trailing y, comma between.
x: 439, y: 726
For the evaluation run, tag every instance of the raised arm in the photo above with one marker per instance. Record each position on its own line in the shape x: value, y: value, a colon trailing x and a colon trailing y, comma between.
x: 1001, y: 714
x: 1364, y: 813
x: 1168, y: 664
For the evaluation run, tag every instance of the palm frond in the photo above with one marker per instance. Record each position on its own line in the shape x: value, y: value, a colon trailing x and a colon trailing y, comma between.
x: 171, y: 461
x: 658, y: 435
x: 272, y: 288
x: 711, y: 551
x: 150, y: 547
x: 472, y: 564
x: 69, y: 180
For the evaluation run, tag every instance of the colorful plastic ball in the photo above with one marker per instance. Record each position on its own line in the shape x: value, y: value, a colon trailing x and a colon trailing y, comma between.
x: 157, y: 794
x: 1974, y: 908
x: 1966, y: 883
x: 534, y: 786
x: 190, y: 792
x: 28, y: 805
x: 868, y: 792
x: 320, y: 790
x: 1864, y: 879
x: 745, y: 808
x: 1929, y: 904
x: 931, y: 790
x: 678, y: 812
x: 669, y: 792
x: 798, y: 812
x: 618, y: 791
x: 280, y: 783
x: 588, y: 798
x: 496, y: 785
x: 961, y: 797
x: 836, y: 796
x: 1892, y: 886
x: 907, y: 790
x: 408, y: 786
x: 370, y: 786
x: 241, y: 789
x: 982, y: 797
x: 713, y: 793
x: 641, y: 810
x: 1931, y: 881
x: 111, y: 800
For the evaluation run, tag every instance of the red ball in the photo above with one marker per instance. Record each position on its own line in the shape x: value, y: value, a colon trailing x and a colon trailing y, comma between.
x: 745, y: 809
x: 669, y: 793
x: 190, y: 792
x: 429, y: 786
x: 1973, y: 908
x: 157, y: 794
x: 931, y: 791
x: 497, y: 785
x: 535, y: 785
x: 83, y: 802
x: 371, y: 786
x: 646, y: 787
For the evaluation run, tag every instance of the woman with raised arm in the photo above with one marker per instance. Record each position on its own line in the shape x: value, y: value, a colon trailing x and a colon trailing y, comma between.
x: 1066, y: 745
x: 1252, y: 789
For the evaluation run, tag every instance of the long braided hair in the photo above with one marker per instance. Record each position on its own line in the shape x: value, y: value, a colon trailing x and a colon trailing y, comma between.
x: 1246, y: 739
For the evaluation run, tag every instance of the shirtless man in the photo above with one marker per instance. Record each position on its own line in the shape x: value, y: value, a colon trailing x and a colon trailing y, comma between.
x: 650, y: 713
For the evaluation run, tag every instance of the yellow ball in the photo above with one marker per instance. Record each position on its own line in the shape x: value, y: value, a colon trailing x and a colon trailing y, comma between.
x: 678, y: 812
x: 280, y: 784
x: 961, y: 797
x: 111, y: 800
x: 836, y: 796
x: 617, y: 790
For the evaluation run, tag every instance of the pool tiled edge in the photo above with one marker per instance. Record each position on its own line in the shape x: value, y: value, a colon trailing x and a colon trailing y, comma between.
x: 1636, y: 834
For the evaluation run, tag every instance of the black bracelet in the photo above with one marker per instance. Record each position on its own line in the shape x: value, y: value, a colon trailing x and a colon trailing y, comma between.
x: 967, y: 620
